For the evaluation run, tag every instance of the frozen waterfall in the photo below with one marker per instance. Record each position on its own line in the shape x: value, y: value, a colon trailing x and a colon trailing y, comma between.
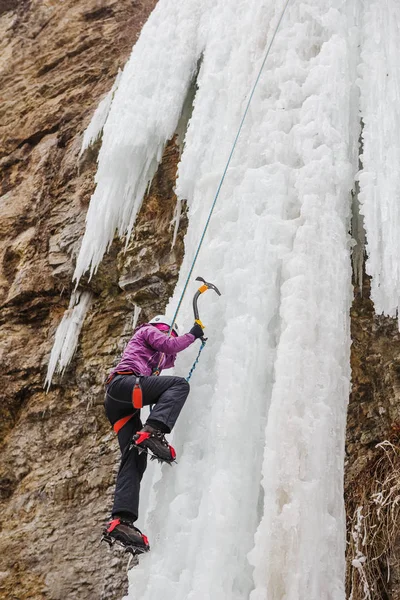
x: 254, y: 509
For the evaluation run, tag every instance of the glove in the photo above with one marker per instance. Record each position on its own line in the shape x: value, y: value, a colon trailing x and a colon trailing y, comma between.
x: 197, y: 331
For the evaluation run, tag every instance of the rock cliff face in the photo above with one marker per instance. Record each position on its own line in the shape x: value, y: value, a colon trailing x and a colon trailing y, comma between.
x: 58, y: 457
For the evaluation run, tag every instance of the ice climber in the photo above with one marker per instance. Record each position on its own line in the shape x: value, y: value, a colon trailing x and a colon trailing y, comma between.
x: 134, y: 382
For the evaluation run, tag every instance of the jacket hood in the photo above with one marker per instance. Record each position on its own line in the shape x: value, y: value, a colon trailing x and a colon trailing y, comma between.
x: 141, y: 327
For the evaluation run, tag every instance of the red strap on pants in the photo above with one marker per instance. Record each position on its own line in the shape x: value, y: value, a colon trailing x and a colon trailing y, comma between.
x: 119, y: 424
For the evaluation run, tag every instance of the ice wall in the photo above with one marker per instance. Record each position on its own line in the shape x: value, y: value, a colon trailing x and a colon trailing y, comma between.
x: 254, y: 509
x: 379, y: 81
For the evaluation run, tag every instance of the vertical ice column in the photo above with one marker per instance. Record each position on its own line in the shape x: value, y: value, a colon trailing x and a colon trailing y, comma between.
x: 379, y: 81
x: 300, y: 543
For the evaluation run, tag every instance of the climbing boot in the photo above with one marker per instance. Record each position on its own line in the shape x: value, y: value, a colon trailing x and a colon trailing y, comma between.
x: 154, y: 440
x: 126, y: 534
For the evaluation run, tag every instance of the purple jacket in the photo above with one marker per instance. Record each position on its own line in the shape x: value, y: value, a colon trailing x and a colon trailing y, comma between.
x: 148, y: 346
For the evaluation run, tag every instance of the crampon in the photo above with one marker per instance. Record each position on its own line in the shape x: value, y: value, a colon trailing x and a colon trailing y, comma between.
x: 155, y: 445
x: 125, y: 534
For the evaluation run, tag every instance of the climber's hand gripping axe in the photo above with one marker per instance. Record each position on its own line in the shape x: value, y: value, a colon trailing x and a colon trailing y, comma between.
x: 206, y: 286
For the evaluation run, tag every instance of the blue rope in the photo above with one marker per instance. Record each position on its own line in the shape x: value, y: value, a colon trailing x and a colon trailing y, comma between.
x: 228, y: 163
x: 196, y: 361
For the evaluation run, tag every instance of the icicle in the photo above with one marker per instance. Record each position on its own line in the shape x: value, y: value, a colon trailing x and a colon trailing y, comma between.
x: 95, y: 127
x: 176, y: 219
x: 67, y: 334
x: 358, y: 234
x: 135, y: 317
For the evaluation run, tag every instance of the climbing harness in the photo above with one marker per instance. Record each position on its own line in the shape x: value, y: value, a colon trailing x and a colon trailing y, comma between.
x: 137, y: 398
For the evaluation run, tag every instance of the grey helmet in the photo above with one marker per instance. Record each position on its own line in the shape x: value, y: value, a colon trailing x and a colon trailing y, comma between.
x: 164, y: 320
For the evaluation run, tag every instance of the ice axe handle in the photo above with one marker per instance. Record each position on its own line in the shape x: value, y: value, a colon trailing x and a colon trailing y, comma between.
x: 206, y: 286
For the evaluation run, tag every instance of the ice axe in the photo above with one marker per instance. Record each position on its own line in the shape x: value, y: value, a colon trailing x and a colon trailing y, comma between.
x: 206, y: 286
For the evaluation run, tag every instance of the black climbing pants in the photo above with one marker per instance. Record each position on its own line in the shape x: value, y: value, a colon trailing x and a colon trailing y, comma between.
x: 168, y: 395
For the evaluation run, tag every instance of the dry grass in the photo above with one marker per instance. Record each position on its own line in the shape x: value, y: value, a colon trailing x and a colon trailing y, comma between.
x: 373, y: 526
